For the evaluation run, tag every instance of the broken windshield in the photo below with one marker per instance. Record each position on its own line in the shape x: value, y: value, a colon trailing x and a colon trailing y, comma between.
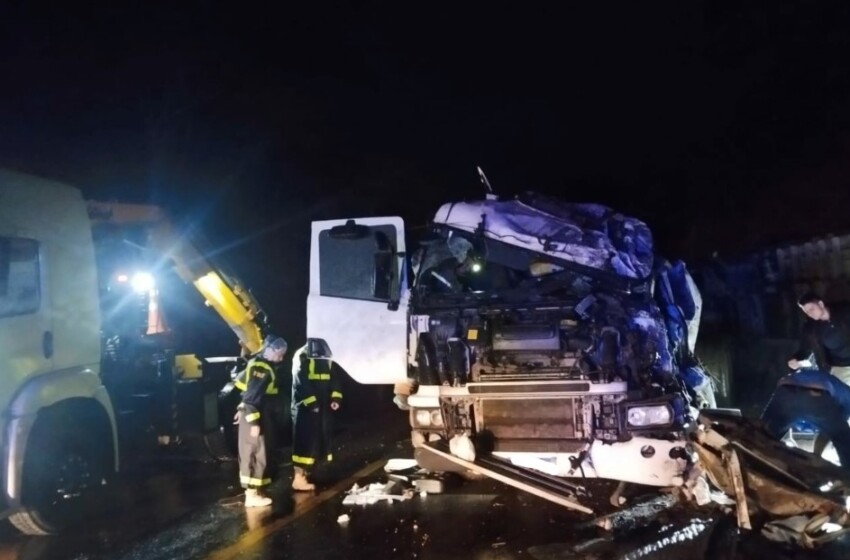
x: 491, y: 269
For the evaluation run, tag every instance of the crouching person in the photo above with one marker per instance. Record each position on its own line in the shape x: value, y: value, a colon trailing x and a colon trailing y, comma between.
x: 818, y: 398
x: 316, y: 397
x: 256, y: 422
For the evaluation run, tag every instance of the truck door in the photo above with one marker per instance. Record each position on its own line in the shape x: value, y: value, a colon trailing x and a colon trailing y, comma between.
x: 358, y: 296
x: 26, y: 338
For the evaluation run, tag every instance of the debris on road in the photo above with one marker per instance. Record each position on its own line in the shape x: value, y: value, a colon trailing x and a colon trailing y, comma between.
x: 430, y: 485
x: 637, y: 515
x: 376, y: 492
x: 343, y: 519
x: 395, y: 465
x: 801, y: 498
x: 404, y: 480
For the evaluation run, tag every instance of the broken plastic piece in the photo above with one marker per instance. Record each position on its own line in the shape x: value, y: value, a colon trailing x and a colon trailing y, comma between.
x: 394, y: 465
x: 372, y: 494
x: 429, y: 485
x: 461, y: 446
x: 702, y: 492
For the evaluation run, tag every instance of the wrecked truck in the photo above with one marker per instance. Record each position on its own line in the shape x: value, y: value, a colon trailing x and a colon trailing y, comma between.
x: 542, y: 340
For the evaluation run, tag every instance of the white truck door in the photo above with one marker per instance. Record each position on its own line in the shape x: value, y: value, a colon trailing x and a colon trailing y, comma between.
x: 26, y: 337
x: 358, y: 296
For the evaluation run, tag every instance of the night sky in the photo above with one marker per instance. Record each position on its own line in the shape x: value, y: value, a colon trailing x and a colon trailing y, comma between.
x: 723, y: 126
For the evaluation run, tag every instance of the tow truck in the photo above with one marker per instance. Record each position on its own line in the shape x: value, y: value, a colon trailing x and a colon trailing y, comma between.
x: 92, y: 377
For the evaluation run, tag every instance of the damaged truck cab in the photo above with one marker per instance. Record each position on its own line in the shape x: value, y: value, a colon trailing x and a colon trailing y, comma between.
x: 545, y: 332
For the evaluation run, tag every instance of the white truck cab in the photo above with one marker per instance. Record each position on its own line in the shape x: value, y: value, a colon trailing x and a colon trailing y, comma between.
x: 56, y: 412
x: 547, y: 333
x: 90, y: 373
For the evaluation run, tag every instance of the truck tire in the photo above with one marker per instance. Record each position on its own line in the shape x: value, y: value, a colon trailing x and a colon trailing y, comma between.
x: 221, y: 444
x: 62, y: 475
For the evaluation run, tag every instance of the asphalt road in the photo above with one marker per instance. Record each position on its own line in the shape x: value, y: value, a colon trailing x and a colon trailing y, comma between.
x: 182, y: 508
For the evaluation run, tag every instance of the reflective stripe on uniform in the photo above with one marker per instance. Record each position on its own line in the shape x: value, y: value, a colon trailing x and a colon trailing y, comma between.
x: 309, y: 400
x: 336, y: 395
x: 241, y: 383
x: 313, y: 376
x: 245, y: 479
x: 252, y: 417
x: 271, y: 388
x: 303, y: 460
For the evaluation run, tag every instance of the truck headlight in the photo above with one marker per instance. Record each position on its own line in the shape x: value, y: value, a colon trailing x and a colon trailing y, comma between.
x: 422, y: 418
x: 427, y: 418
x: 645, y: 416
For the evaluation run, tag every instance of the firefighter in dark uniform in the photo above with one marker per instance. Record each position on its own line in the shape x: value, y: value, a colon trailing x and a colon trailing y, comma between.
x: 316, y: 397
x: 256, y: 421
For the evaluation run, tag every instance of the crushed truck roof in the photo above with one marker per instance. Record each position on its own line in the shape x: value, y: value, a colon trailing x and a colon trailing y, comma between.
x: 590, y: 235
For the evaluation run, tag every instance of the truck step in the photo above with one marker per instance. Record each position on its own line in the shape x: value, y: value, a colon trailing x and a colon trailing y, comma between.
x: 544, y: 486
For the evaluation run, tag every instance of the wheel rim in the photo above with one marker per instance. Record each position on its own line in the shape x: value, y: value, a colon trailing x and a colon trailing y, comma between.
x: 73, y: 477
x: 65, y: 484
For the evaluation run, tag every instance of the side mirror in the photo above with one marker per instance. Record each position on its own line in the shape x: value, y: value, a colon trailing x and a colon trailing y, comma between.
x: 350, y: 230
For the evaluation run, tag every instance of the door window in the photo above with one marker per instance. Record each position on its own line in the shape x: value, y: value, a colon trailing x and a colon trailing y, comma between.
x: 358, y: 268
x: 19, y: 276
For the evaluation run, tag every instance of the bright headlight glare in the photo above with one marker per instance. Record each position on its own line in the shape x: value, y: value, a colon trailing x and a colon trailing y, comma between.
x: 422, y: 418
x: 143, y: 282
x: 640, y: 416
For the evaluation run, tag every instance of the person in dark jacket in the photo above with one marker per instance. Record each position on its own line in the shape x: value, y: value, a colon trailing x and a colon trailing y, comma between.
x: 316, y: 398
x: 825, y: 337
x: 818, y: 398
x: 256, y: 428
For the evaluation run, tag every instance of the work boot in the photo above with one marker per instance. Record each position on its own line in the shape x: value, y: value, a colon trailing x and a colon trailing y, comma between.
x: 300, y: 482
x: 254, y: 499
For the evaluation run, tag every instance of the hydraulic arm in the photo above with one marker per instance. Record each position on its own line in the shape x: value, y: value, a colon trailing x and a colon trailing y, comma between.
x: 225, y: 294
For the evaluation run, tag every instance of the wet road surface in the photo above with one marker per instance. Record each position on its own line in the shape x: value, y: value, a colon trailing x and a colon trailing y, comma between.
x: 185, y: 509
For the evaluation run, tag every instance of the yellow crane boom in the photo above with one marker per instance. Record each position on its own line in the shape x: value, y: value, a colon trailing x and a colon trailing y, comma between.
x: 225, y: 294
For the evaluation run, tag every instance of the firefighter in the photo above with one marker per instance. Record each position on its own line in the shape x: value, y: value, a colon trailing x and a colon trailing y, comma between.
x: 256, y: 427
x: 316, y: 397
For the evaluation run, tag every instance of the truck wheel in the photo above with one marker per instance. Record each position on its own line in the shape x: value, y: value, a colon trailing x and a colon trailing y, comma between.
x: 221, y: 444
x: 62, y: 472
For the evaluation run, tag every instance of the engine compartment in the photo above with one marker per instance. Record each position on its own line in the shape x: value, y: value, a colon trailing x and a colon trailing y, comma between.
x: 548, y: 355
x: 600, y: 339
